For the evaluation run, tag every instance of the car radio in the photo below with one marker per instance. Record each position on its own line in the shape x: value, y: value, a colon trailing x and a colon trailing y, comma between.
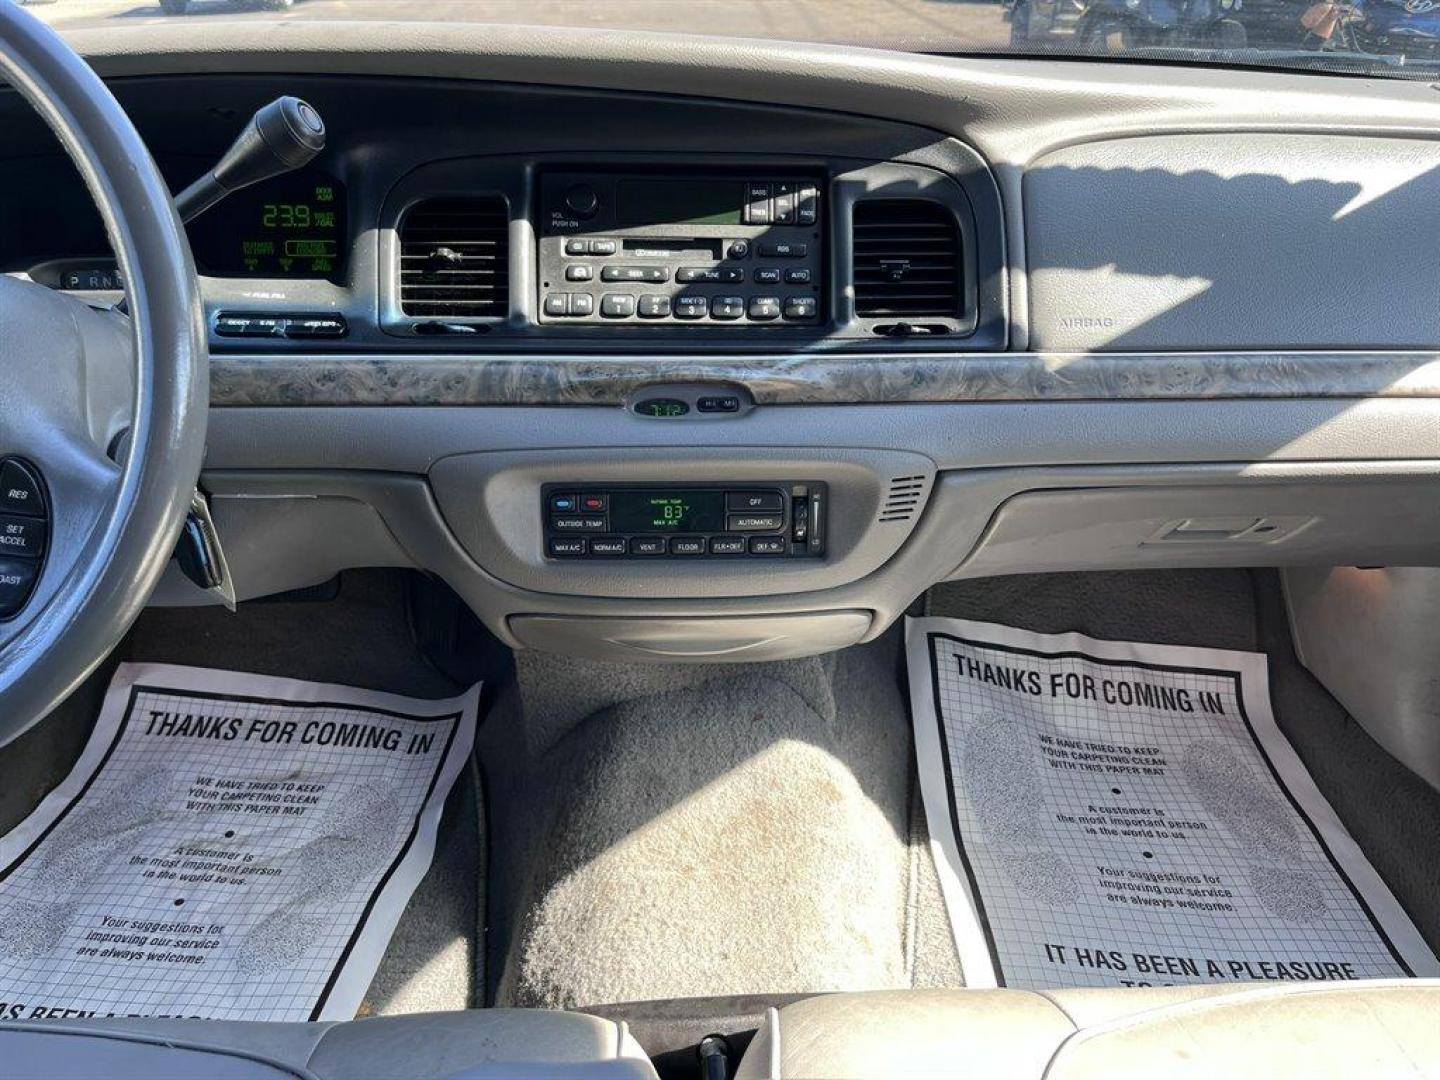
x: 712, y: 250
x: 750, y: 520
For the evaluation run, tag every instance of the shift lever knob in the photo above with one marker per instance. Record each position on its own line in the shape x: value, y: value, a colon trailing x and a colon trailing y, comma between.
x: 283, y: 136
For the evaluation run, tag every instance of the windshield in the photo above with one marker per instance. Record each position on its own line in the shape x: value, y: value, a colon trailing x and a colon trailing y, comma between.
x: 1373, y: 37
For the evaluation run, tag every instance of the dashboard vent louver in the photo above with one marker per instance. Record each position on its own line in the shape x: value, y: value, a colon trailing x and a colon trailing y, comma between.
x: 904, y: 497
x: 454, y: 258
x: 907, y: 259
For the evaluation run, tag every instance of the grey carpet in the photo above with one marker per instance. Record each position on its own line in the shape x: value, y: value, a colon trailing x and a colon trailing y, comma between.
x: 1393, y: 815
x: 361, y: 638
x: 666, y: 832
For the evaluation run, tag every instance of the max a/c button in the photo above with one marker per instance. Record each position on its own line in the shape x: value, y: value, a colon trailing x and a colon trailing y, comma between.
x: 564, y: 547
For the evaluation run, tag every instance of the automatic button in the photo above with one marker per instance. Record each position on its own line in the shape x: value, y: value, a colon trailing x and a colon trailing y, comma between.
x: 23, y: 537
x: 20, y: 490
x: 17, y: 578
x: 754, y: 522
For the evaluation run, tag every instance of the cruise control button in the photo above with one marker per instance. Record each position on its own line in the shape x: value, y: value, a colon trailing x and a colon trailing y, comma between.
x: 727, y: 307
x: 764, y: 308
x: 771, y: 501
x: 607, y: 545
x: 577, y: 523
x: 754, y: 522
x: 767, y: 545
x: 687, y: 545
x: 654, y: 307
x: 647, y: 545
x: 564, y: 547
x: 17, y: 578
x: 727, y: 545
x: 800, y: 307
x: 20, y: 490
x: 23, y: 537
x: 783, y: 249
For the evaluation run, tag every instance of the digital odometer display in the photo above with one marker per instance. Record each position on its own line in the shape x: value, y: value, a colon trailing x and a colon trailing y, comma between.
x: 667, y: 511
x: 289, y: 227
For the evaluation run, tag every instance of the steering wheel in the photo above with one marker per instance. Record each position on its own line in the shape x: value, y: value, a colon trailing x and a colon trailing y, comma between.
x: 106, y: 411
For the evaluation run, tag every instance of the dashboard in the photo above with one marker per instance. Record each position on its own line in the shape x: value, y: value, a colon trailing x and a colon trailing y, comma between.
x: 549, y: 303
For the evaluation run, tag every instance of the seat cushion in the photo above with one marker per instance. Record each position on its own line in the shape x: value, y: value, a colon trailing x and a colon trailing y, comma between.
x: 1253, y: 1032
x: 474, y: 1045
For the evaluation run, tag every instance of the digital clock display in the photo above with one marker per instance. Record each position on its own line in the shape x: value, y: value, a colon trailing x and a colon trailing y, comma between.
x: 289, y: 227
x: 699, y: 511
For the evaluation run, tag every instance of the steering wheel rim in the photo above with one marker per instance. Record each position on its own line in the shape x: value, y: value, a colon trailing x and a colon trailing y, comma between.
x: 90, y: 593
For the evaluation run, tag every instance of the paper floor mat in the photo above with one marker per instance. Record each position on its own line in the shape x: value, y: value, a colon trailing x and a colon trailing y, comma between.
x: 1119, y: 814
x: 228, y: 846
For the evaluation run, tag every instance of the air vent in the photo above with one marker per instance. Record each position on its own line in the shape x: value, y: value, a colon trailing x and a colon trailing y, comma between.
x: 907, y: 260
x: 454, y: 258
x: 903, y: 499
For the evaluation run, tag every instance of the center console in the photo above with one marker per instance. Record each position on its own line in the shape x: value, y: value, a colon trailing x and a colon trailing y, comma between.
x: 723, y: 250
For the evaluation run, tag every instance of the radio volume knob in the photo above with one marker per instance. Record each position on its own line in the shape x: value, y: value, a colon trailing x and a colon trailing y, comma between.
x: 582, y: 200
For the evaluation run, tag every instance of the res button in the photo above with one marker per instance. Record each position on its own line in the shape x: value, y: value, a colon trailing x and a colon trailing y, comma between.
x: 20, y: 490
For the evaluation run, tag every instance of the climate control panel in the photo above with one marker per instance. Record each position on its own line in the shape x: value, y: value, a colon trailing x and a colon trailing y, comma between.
x: 749, y: 520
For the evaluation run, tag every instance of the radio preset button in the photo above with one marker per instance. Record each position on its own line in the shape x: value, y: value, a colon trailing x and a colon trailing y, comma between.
x: 764, y: 308
x: 654, y: 307
x: 687, y: 545
x: 727, y: 307
x: 566, y: 547
x: 727, y: 545
x: 767, y: 545
x: 800, y: 307
x: 617, y: 305
x: 690, y: 307
x: 754, y: 522
x: 769, y: 501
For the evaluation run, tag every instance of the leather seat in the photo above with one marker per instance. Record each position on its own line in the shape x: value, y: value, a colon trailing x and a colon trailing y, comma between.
x: 1370, y: 1030
x: 476, y: 1045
